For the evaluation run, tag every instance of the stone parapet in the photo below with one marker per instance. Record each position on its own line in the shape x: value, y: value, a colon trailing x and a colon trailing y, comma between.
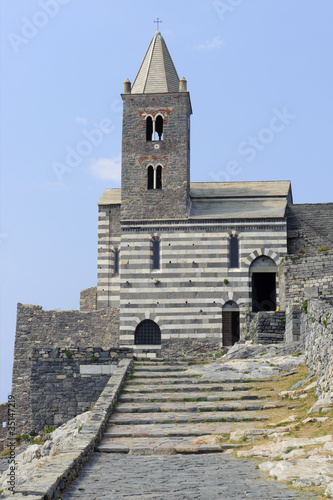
x: 53, y: 477
x: 66, y: 382
x: 317, y: 339
x: 39, y: 329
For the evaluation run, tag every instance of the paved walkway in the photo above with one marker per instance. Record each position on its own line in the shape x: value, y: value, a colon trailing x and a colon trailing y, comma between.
x: 176, y: 477
x: 163, y: 441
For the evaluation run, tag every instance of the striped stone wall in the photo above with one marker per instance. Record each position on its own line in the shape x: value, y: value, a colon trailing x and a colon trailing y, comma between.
x: 185, y: 297
x: 109, y: 237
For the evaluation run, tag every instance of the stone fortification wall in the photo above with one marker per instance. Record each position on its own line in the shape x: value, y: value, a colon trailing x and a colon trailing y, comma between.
x: 317, y: 339
x: 268, y: 327
x: 305, y: 276
x: 3, y: 429
x: 88, y: 299
x: 66, y: 382
x: 310, y: 226
x: 36, y: 328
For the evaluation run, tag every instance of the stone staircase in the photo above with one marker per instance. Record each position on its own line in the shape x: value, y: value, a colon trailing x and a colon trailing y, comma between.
x: 165, y: 410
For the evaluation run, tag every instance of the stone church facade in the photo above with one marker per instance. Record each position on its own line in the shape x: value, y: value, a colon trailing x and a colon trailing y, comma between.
x: 184, y: 262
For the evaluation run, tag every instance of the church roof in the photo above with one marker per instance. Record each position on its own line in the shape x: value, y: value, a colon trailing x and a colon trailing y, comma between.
x: 229, y: 200
x: 240, y: 200
x: 157, y: 73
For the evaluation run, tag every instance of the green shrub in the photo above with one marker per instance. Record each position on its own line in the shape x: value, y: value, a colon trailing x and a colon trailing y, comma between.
x: 305, y: 306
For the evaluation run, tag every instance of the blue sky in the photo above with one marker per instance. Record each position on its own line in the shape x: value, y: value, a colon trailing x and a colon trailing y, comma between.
x: 260, y: 77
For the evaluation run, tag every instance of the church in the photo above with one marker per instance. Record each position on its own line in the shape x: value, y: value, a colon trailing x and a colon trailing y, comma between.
x: 187, y: 264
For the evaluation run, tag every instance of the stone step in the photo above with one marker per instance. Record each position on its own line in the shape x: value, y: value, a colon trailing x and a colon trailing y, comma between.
x: 185, y: 379
x: 163, y: 368
x: 192, y: 407
x: 176, y: 430
x: 188, y: 396
x: 174, y: 417
x: 163, y: 374
x: 131, y: 388
x: 163, y: 446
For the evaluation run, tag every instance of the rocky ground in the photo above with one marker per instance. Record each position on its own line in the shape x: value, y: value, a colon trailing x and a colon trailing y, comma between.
x: 256, y: 401
x: 30, y: 457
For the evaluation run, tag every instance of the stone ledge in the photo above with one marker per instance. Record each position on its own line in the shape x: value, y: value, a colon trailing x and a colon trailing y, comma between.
x: 55, y: 475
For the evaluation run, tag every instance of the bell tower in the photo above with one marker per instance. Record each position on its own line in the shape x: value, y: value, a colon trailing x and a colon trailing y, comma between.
x: 155, y: 170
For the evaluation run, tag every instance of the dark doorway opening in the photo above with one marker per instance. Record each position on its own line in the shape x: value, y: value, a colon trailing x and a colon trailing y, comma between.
x: 263, y: 292
x: 147, y: 333
x: 230, y: 324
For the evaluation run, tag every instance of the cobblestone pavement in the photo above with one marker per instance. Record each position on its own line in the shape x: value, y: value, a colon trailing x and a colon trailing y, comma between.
x: 177, y: 477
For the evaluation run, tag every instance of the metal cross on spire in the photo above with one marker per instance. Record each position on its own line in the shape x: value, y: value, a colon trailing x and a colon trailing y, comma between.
x: 158, y: 23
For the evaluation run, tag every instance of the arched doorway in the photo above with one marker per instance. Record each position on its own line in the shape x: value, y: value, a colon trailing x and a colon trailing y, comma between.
x: 147, y: 333
x: 230, y: 323
x: 263, y: 278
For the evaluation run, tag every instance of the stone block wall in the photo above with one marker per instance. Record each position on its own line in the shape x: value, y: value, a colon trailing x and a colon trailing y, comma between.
x: 317, y: 339
x: 66, y: 382
x: 305, y: 276
x: 172, y: 153
x: 88, y: 299
x: 36, y: 328
x: 268, y: 327
x: 3, y: 420
x: 293, y: 324
x: 310, y: 226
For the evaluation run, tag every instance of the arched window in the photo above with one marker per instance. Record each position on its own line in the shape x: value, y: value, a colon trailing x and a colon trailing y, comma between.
x: 151, y: 174
x: 147, y: 333
x: 159, y: 177
x: 233, y: 252
x: 159, y: 128
x: 116, y: 262
x: 156, y: 253
x: 149, y: 128
x: 154, y: 177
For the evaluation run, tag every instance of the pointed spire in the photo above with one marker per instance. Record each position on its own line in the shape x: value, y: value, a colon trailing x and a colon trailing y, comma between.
x: 157, y: 73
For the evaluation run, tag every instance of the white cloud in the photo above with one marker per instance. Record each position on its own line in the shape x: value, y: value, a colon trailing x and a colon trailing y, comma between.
x: 107, y: 168
x: 215, y: 43
x: 84, y: 121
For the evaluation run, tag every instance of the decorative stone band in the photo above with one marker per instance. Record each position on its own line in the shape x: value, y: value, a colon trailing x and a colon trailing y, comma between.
x: 60, y: 470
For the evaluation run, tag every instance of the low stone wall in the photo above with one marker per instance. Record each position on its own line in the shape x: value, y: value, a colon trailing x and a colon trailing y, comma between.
x: 66, y: 382
x: 317, y: 339
x: 268, y: 327
x: 3, y: 429
x: 88, y: 299
x: 37, y: 329
x: 53, y: 477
